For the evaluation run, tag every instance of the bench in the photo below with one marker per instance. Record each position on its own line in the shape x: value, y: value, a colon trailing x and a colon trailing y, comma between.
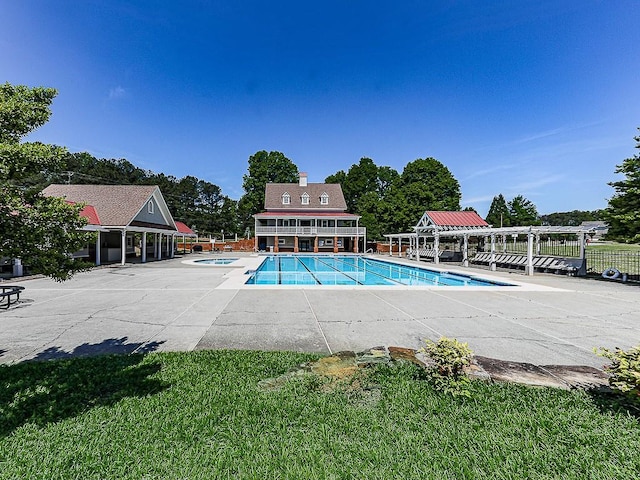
x: 541, y: 263
x: 7, y: 292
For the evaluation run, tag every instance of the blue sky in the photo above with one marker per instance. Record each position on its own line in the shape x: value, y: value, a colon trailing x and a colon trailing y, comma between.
x: 539, y: 98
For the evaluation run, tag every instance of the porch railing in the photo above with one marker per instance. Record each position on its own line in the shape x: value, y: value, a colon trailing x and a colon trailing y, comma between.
x: 319, y: 231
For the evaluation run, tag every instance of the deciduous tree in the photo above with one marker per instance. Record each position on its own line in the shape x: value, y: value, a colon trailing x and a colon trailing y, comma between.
x: 41, y: 231
x: 264, y: 167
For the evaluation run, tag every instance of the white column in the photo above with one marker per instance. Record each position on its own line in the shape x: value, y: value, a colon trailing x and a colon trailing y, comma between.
x: 436, y: 246
x: 492, y: 262
x: 123, y: 246
x: 144, y: 247
x: 159, y: 246
x: 399, y: 246
x: 465, y: 251
x: 98, y: 245
x: 529, y: 267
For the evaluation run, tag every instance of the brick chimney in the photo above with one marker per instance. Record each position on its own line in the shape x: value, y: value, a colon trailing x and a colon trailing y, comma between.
x: 303, y: 179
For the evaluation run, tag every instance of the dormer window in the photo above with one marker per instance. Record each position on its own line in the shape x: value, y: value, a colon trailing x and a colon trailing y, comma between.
x: 150, y: 206
x: 286, y: 198
x: 324, y: 199
x: 305, y: 198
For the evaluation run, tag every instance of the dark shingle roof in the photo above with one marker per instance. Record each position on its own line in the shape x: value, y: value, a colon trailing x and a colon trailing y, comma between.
x: 116, y: 205
x: 274, y: 191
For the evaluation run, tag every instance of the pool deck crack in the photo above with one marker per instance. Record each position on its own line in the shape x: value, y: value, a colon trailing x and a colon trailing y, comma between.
x: 317, y: 322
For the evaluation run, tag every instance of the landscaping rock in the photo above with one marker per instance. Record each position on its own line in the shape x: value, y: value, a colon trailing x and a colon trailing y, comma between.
x: 343, y: 365
x: 410, y: 355
x: 339, y: 365
x: 373, y: 356
x: 558, y: 376
x: 579, y: 376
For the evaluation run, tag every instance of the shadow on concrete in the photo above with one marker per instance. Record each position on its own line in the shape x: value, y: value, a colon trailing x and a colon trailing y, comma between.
x: 106, y: 347
x: 44, y: 392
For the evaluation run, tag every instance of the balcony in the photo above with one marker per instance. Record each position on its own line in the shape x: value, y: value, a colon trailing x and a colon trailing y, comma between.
x: 311, y: 231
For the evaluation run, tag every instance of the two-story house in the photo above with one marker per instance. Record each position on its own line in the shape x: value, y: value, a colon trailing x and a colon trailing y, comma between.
x: 307, y: 217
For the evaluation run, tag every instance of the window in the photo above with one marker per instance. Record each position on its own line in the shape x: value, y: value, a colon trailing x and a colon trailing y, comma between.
x: 286, y: 198
x: 150, y: 206
x: 282, y: 241
x: 324, y: 199
x: 328, y: 242
x: 305, y: 198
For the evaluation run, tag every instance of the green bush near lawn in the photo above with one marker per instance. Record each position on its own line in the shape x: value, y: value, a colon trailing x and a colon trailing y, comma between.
x: 202, y: 415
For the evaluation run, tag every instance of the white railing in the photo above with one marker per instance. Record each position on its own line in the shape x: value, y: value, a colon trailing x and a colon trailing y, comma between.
x: 319, y: 231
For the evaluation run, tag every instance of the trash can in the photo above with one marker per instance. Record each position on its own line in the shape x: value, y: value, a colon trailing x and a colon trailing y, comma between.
x: 17, y: 267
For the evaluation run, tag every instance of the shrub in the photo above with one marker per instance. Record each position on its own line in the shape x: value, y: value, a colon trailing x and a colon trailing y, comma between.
x: 624, y: 370
x: 450, y: 357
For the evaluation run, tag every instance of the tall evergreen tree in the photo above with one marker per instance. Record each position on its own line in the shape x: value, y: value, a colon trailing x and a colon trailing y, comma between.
x: 523, y: 212
x: 498, y: 215
x: 623, y: 212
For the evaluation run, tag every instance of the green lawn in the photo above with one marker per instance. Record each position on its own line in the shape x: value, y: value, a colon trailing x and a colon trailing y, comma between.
x: 614, y: 247
x: 202, y: 415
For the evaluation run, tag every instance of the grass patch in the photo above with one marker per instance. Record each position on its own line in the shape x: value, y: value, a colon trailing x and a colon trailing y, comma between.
x: 614, y: 247
x: 202, y: 415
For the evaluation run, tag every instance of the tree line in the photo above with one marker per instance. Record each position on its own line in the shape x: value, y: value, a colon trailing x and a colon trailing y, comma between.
x: 42, y: 230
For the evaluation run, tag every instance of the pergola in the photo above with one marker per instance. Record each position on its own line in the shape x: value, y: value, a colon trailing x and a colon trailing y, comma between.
x: 533, y: 239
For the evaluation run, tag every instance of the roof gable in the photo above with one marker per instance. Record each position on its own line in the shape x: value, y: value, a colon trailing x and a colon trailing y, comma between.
x: 115, y: 205
x: 450, y: 220
x: 274, y: 191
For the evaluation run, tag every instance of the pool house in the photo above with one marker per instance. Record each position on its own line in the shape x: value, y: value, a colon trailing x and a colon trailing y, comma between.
x: 307, y: 217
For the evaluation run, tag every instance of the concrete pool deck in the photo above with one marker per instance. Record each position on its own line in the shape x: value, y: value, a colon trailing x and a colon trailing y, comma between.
x: 176, y: 306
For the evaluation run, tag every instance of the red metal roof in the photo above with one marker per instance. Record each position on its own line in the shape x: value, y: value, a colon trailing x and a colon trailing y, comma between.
x: 457, y: 219
x: 89, y: 212
x: 182, y: 228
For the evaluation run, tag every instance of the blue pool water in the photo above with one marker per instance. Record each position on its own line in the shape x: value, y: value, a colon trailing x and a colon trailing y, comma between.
x: 217, y: 261
x: 352, y: 270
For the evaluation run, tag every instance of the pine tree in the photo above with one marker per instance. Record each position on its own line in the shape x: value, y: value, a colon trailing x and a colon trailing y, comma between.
x: 499, y: 215
x: 623, y: 212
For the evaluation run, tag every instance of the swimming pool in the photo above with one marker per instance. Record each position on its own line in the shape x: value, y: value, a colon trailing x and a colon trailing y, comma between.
x: 353, y: 270
x: 215, y: 261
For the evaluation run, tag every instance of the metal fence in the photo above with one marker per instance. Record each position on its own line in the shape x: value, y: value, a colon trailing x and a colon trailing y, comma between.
x: 599, y: 261
x: 559, y: 247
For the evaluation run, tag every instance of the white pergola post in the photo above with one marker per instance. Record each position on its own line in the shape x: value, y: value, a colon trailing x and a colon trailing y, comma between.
x: 143, y: 259
x: 465, y: 250
x: 537, y: 244
x: 436, y: 247
x: 529, y: 268
x: 492, y: 261
x: 399, y: 246
x: 123, y: 247
x: 582, y: 238
x: 98, y: 249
